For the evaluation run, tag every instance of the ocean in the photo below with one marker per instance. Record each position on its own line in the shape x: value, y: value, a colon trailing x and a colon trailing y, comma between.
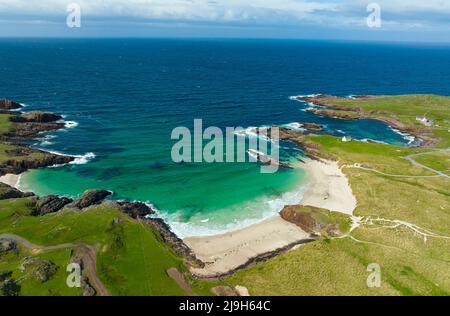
x: 123, y: 97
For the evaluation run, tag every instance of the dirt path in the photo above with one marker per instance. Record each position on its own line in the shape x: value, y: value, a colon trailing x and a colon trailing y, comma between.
x: 410, y: 158
x: 179, y: 279
x: 88, y: 255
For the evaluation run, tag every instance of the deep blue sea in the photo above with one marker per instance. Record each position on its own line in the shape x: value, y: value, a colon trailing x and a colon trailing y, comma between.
x: 124, y: 97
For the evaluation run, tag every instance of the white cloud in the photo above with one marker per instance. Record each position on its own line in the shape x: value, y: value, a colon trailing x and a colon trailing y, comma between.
x: 322, y: 12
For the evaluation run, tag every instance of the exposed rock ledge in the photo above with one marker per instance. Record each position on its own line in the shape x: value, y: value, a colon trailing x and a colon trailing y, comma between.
x: 25, y: 126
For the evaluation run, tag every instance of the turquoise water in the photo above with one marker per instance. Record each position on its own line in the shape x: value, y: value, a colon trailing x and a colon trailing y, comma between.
x: 126, y: 96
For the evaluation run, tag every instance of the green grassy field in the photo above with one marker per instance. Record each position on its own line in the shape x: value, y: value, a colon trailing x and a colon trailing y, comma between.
x: 5, y: 124
x: 404, y: 106
x: 31, y: 286
x: 131, y: 260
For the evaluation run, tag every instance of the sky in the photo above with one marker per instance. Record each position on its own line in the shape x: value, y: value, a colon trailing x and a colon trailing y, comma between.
x: 401, y: 20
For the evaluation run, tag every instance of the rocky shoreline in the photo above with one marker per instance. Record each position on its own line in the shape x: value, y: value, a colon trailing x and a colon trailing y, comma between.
x: 24, y: 127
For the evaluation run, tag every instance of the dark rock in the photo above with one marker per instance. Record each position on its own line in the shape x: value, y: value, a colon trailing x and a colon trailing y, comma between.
x: 5, y: 275
x: 135, y: 209
x: 51, y: 204
x: 36, y: 117
x: 9, y: 105
x: 7, y: 245
x: 313, y: 127
x: 31, y: 129
x: 90, y: 197
x: 8, y: 192
x: 22, y: 161
x: 9, y: 287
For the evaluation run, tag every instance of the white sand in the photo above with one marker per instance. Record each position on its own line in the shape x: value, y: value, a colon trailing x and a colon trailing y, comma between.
x: 10, y: 179
x: 329, y: 188
x: 225, y: 252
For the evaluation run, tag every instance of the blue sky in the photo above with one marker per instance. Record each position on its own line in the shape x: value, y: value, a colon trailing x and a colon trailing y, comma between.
x: 402, y: 20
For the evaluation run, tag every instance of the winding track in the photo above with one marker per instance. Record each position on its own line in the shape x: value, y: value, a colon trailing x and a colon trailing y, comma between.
x: 411, y: 160
x: 88, y: 254
x: 414, y: 162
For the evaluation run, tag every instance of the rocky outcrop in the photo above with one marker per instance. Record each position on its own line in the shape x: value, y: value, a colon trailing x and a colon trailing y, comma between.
x: 8, y: 192
x: 9, y: 105
x: 50, y: 204
x: 20, y: 160
x: 89, y: 198
x: 135, y: 209
x: 31, y: 129
x: 7, y: 245
x: 36, y: 117
x: 41, y: 270
x: 314, y: 127
x: 312, y: 150
x: 327, y: 101
x: 316, y: 221
x: 178, y: 246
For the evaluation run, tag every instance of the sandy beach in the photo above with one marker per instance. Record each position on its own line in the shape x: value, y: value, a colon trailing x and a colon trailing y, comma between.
x: 328, y: 188
x: 10, y: 179
x: 223, y: 253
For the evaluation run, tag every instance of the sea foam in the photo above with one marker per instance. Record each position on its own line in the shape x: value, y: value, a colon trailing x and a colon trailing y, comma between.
x: 409, y: 138
x: 70, y: 124
x: 211, y: 223
x: 82, y: 159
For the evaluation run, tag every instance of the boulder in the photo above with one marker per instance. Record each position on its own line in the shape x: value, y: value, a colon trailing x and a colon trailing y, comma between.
x: 135, y: 209
x: 9, y: 105
x: 51, y: 204
x: 8, y: 192
x: 89, y: 198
